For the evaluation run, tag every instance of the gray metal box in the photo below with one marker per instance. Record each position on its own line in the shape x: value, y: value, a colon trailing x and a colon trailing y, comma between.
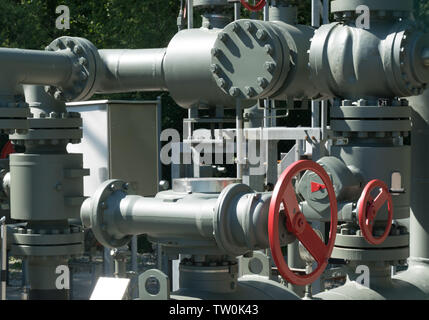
x: 120, y: 141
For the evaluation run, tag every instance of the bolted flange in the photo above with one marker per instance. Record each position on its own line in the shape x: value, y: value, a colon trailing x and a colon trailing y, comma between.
x: 257, y: 41
x: 84, y: 56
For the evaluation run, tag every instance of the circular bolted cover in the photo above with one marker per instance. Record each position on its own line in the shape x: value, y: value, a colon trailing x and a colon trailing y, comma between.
x: 247, y: 59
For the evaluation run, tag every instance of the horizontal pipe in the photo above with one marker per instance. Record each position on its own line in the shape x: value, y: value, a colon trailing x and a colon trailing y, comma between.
x: 233, y: 223
x: 131, y: 70
x: 158, y: 218
x: 32, y: 67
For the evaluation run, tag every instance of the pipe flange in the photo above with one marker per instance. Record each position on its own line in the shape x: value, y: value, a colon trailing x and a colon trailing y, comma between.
x: 258, y: 43
x: 223, y: 210
x: 80, y: 84
x: 47, y: 136
x: 97, y: 212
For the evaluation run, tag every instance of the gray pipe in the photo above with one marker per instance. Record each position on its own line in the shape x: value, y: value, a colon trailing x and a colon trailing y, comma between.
x: 419, y: 218
x: 157, y: 218
x: 131, y: 70
x: 233, y: 222
x: 32, y: 67
x: 418, y: 270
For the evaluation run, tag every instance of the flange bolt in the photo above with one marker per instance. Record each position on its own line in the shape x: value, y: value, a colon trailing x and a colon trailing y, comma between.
x: 214, y: 68
x: 270, y: 66
x: 268, y: 49
x: 249, y: 26
x: 250, y: 91
x: 261, y: 34
x: 221, y: 83
x: 262, y: 82
x: 216, y: 52
x: 234, y: 92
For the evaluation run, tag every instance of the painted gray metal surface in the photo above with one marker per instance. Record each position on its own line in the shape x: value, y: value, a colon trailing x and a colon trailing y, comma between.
x: 418, y: 270
x: 397, y: 63
x: 232, y: 222
x: 220, y: 282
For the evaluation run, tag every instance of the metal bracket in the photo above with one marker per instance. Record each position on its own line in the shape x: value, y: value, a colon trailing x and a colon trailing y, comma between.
x: 163, y: 284
x: 258, y: 264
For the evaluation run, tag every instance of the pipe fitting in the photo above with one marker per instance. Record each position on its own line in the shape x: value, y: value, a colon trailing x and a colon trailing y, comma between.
x: 233, y: 222
x: 83, y: 60
x: 383, y: 62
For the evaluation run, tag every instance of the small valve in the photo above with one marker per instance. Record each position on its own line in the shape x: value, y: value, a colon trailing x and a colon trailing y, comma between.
x: 369, y: 206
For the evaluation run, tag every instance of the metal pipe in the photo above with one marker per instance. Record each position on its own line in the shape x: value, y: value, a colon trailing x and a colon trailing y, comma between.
x: 237, y: 10
x: 32, y: 67
x: 239, y: 131
x: 418, y: 262
x: 4, y: 258
x: 155, y: 217
x: 324, y: 119
x: 315, y: 105
x: 325, y: 11
x: 131, y: 70
x: 315, y: 13
x: 232, y: 222
x: 190, y: 14
x: 134, y: 266
x: 419, y: 219
x: 267, y: 11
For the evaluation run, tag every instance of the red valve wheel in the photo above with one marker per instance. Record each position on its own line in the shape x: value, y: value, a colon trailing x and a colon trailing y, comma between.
x: 369, y: 207
x: 296, y: 223
x: 7, y: 150
x: 257, y: 7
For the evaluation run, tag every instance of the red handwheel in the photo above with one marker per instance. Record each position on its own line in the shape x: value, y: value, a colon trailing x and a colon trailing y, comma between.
x: 296, y: 223
x: 7, y: 150
x: 369, y: 207
x: 257, y: 7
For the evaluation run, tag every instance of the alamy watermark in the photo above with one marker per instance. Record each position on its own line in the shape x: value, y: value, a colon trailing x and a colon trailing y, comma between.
x: 363, y: 278
x: 363, y: 21
x: 63, y: 21
x: 223, y: 149
x: 63, y: 280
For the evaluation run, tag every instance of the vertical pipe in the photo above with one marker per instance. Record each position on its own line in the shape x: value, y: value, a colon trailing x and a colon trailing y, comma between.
x: 419, y: 217
x: 4, y: 258
x: 298, y: 150
x: 315, y: 13
x: 239, y: 130
x: 120, y: 268
x: 237, y: 10
x: 315, y: 105
x: 324, y: 118
x: 107, y: 262
x: 325, y: 11
x: 159, y: 130
x: 134, y: 254
x: 267, y: 11
x: 190, y: 14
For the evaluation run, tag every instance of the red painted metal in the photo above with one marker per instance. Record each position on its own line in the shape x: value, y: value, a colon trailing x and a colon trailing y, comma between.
x: 369, y: 207
x: 257, y: 7
x: 296, y: 223
x: 7, y: 150
x: 317, y: 187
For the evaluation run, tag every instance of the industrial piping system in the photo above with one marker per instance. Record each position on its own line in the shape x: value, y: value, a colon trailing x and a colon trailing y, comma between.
x: 367, y: 73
